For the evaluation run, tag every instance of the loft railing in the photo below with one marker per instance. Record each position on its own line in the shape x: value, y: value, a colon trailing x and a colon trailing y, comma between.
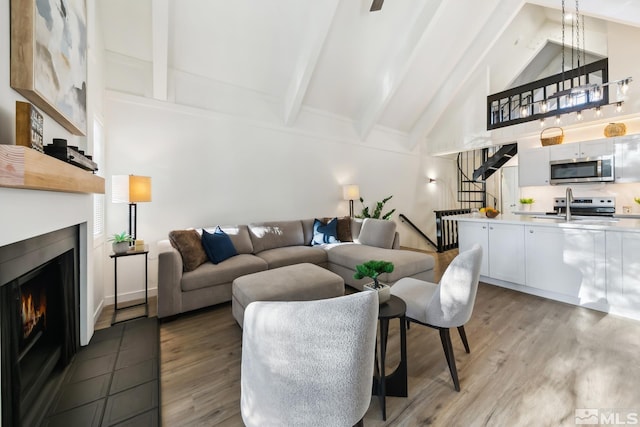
x: 446, y: 230
x: 506, y: 108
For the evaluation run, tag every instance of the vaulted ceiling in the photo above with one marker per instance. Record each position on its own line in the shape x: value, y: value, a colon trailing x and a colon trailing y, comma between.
x: 397, y: 68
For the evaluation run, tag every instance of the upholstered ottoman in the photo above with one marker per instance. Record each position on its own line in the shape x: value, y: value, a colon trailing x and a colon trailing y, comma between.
x: 299, y: 282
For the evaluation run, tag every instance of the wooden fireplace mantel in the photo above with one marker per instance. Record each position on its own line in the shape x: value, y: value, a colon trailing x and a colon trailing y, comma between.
x: 23, y: 167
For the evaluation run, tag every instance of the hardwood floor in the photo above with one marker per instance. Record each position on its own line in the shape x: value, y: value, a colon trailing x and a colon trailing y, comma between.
x: 533, y: 362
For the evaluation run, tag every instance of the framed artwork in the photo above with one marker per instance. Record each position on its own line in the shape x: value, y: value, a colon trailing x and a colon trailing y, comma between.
x: 49, y: 58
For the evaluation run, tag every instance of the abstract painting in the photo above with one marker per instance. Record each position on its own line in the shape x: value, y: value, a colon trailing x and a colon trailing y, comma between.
x: 49, y: 58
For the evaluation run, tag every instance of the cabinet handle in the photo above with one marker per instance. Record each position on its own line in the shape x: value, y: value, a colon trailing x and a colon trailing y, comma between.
x: 490, y: 228
x: 531, y: 231
x: 484, y: 227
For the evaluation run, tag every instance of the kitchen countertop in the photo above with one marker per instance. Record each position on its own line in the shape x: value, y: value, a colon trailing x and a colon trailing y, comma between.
x: 618, y: 223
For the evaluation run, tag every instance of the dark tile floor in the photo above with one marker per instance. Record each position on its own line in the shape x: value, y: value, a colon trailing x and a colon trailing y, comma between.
x: 113, y: 381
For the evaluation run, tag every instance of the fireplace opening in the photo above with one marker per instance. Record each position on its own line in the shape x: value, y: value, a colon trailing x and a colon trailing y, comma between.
x: 39, y: 323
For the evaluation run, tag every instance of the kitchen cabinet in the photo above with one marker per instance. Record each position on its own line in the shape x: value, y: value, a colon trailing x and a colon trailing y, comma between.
x: 623, y: 270
x: 470, y: 233
x: 570, y: 262
x: 502, y: 245
x: 579, y: 150
x: 533, y: 167
x: 627, y: 158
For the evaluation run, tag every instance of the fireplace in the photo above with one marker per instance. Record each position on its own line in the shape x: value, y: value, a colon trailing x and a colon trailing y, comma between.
x: 39, y: 318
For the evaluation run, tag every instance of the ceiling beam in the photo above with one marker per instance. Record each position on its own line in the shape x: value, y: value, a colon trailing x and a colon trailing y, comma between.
x: 317, y: 32
x: 397, y: 67
x: 499, y: 19
x: 160, y: 40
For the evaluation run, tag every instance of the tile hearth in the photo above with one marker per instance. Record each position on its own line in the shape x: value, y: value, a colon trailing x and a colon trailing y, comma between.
x: 113, y: 381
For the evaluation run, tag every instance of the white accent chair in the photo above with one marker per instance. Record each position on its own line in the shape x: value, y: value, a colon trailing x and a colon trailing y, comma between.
x: 448, y: 304
x: 308, y: 362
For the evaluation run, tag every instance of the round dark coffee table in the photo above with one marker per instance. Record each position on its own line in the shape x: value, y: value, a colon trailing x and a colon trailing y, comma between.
x: 394, y: 384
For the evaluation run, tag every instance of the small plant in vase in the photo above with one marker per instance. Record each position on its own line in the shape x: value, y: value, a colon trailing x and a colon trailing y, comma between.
x: 121, y: 242
x: 526, y: 203
x: 373, y: 269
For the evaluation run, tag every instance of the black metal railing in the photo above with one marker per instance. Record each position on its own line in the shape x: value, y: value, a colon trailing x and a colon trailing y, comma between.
x: 403, y: 218
x: 447, y: 230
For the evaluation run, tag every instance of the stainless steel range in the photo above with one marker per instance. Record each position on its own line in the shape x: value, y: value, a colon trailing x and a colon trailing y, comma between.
x: 587, y: 206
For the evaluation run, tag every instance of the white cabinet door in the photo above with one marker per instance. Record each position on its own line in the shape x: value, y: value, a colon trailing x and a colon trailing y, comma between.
x: 627, y: 158
x: 566, y: 261
x: 564, y: 151
x: 506, y: 252
x: 595, y: 148
x: 533, y: 167
x: 623, y: 270
x: 579, y: 150
x: 470, y: 233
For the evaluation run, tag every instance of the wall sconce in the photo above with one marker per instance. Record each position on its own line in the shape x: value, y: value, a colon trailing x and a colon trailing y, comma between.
x: 350, y: 192
x: 131, y: 189
x: 432, y: 181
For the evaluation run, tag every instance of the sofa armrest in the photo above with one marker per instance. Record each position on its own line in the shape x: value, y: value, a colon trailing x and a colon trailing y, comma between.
x: 169, y: 277
x: 396, y: 241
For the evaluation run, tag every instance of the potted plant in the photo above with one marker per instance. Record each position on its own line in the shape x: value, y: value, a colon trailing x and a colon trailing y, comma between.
x: 377, y: 212
x: 373, y: 269
x: 121, y: 242
x: 526, y: 203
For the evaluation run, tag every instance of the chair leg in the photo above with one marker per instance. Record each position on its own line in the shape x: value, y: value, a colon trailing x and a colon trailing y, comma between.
x: 463, y: 337
x: 445, y: 337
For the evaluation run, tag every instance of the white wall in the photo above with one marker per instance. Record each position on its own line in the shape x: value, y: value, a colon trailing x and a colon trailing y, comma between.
x: 209, y: 168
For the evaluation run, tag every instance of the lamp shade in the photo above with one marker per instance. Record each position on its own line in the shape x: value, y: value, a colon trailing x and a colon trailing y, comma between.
x: 350, y: 192
x: 130, y: 189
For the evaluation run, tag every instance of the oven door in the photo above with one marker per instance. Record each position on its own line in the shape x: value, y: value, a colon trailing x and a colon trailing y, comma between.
x: 582, y: 170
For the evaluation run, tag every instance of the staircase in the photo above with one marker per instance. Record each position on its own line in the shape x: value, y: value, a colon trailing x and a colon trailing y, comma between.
x: 480, y: 165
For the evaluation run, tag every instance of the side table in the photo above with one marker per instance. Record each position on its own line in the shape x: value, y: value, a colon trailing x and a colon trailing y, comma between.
x: 394, y: 384
x: 116, y: 309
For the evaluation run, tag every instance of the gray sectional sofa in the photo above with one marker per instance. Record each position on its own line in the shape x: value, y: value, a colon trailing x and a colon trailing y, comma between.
x: 268, y: 245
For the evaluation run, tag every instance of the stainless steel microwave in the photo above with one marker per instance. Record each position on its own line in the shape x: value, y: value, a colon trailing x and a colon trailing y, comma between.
x: 589, y: 169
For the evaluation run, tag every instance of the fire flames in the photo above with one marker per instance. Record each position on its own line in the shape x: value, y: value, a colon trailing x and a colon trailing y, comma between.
x: 32, y: 313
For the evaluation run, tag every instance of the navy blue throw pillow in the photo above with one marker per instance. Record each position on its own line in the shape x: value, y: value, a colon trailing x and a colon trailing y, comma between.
x: 325, y: 233
x: 218, y: 245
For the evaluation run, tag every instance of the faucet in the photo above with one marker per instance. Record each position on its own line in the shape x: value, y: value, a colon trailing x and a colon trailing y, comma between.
x: 569, y: 199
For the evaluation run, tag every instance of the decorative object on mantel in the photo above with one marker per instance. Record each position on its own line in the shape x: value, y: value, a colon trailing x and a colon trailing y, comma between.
x: 131, y: 189
x: 637, y: 200
x: 121, y: 242
x: 29, y: 124
x: 373, y: 269
x: 70, y: 154
x: 615, y: 129
x: 551, y: 140
x: 49, y: 58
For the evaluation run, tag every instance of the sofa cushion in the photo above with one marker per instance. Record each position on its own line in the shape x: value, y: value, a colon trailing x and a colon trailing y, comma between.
x: 239, y: 235
x: 343, y: 228
x: 218, y: 246
x: 279, y: 257
x: 209, y: 274
x: 324, y: 232
x: 406, y: 263
x: 377, y: 232
x: 188, y: 243
x: 276, y: 234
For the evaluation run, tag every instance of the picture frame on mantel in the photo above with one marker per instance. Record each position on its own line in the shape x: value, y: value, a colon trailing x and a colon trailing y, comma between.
x: 49, y: 58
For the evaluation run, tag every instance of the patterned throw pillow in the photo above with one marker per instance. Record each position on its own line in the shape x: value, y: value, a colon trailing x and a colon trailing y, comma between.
x: 344, y: 228
x: 188, y: 243
x: 324, y: 233
x: 218, y: 245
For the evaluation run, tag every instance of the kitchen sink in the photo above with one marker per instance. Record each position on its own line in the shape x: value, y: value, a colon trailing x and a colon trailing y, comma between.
x: 580, y: 219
